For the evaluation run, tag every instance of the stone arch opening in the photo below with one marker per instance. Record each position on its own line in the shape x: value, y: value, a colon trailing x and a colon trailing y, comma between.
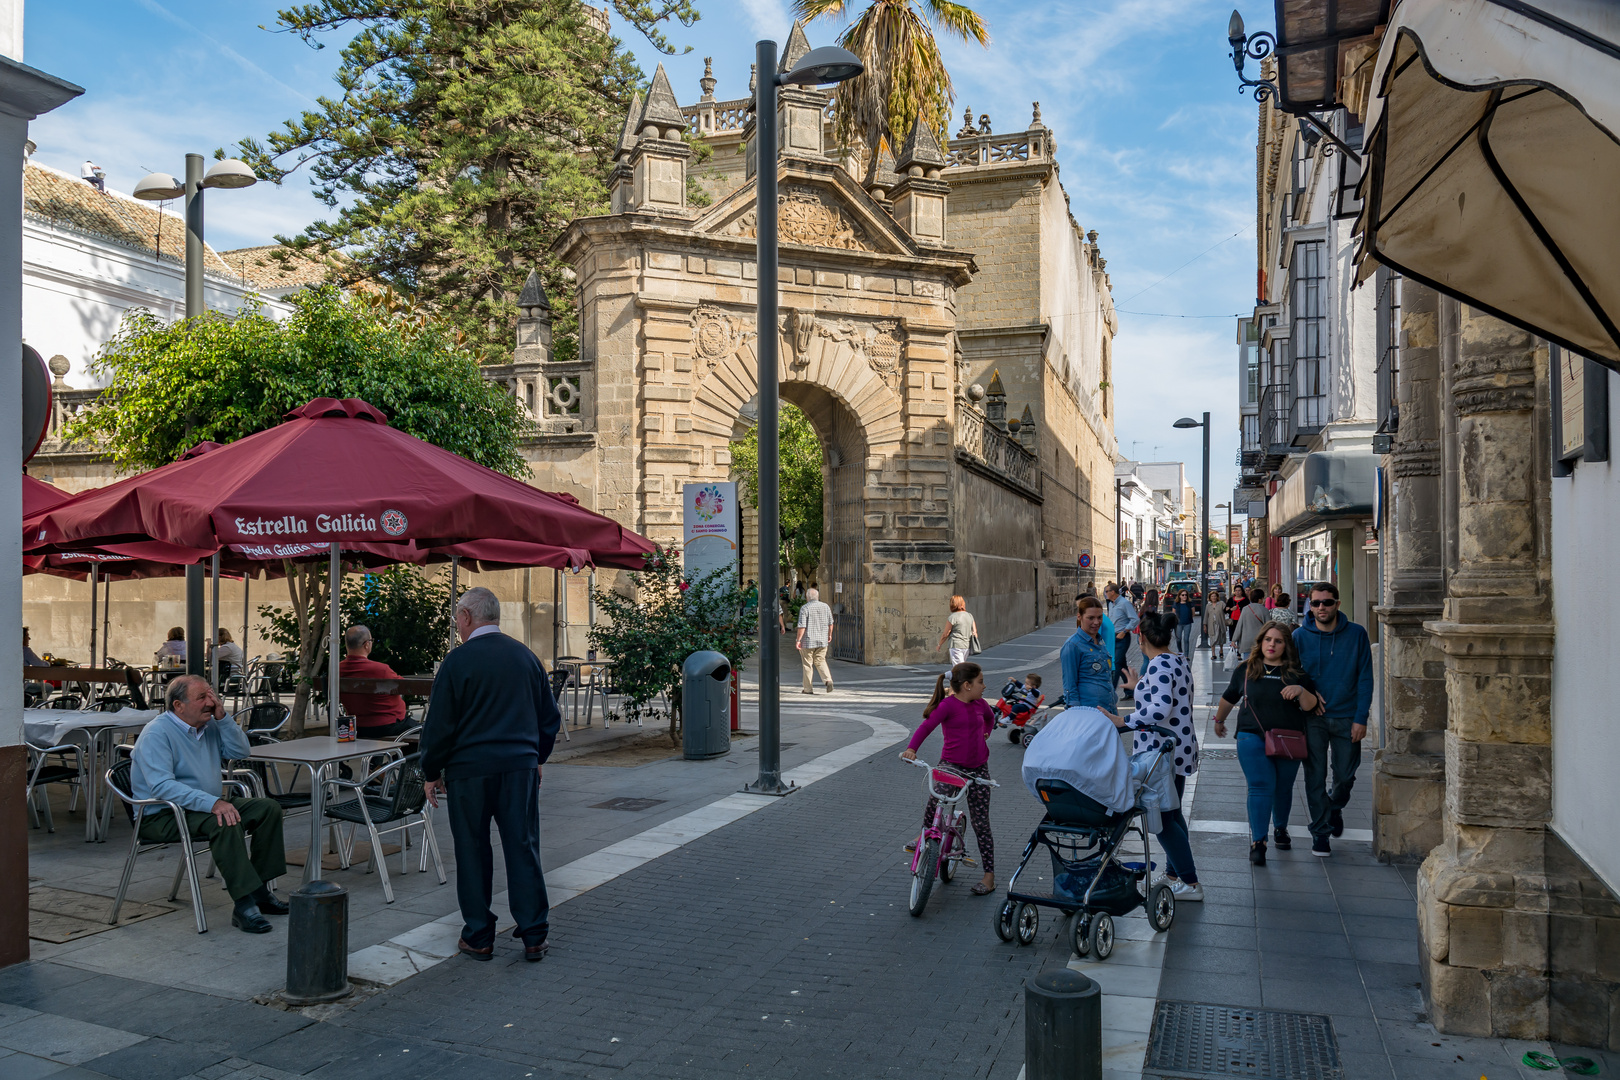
x: 841, y: 571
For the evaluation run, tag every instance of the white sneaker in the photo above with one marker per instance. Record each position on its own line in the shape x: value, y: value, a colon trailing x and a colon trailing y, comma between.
x: 1183, y: 891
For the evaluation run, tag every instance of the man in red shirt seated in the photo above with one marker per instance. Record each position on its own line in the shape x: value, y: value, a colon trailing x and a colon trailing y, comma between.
x: 380, y: 716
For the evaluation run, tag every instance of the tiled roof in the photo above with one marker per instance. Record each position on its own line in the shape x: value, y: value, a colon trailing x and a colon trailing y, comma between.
x: 68, y: 202
x: 276, y: 266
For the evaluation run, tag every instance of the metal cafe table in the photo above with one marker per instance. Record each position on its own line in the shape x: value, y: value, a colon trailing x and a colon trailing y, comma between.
x: 51, y: 727
x: 317, y: 754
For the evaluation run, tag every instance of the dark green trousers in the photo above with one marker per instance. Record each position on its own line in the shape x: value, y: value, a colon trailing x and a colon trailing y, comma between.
x: 244, y: 866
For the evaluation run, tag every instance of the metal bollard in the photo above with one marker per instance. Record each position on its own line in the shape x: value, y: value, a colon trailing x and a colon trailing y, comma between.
x: 317, y: 944
x: 1062, y: 1027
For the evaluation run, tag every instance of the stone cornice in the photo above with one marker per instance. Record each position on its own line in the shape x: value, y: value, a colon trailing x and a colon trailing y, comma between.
x: 1493, y: 639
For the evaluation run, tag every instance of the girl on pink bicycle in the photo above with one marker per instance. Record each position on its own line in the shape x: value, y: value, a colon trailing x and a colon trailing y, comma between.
x: 966, y: 721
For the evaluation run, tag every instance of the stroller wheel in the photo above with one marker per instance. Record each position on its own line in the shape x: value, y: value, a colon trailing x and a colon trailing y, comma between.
x: 1102, y: 935
x: 1080, y: 933
x: 1005, y: 915
x: 1014, y: 734
x: 1026, y: 737
x: 1029, y: 923
x: 1161, y: 908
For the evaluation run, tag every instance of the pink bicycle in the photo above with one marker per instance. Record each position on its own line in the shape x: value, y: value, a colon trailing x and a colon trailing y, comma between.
x: 943, y: 843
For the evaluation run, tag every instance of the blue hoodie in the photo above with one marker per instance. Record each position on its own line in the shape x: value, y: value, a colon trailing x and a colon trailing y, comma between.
x: 1340, y: 663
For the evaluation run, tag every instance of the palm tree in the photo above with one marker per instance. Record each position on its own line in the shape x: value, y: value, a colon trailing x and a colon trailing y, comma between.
x: 905, y: 76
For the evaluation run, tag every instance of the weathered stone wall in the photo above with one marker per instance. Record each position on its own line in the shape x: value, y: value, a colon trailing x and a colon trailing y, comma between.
x: 998, y: 557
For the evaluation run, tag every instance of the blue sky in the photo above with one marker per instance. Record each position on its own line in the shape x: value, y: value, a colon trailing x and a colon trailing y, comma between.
x: 1156, y: 148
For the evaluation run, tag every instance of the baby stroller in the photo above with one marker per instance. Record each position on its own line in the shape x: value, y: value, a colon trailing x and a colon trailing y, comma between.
x: 1089, y: 879
x: 1015, y: 710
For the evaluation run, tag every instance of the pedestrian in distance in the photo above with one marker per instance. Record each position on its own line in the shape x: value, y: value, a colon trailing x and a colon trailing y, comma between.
x: 1271, y: 692
x: 1183, y: 609
x: 1277, y: 598
x: 812, y: 638
x: 1087, y: 660
x: 1246, y: 631
x: 1215, y: 623
x: 1122, y: 613
x: 965, y: 721
x: 1150, y: 602
x: 1164, y: 696
x: 1337, y: 656
x: 491, y: 724
x: 960, y: 630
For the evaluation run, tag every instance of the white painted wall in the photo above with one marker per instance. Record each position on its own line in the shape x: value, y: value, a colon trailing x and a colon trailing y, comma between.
x: 76, y: 289
x: 1585, y: 677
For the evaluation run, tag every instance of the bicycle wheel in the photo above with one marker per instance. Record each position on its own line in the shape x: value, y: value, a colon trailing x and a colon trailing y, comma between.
x: 947, y: 869
x: 922, y: 882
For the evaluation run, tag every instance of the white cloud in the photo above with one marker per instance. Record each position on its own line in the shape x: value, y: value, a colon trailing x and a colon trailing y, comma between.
x: 768, y: 18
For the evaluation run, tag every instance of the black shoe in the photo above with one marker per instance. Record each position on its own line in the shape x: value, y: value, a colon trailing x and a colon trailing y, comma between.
x: 268, y: 902
x: 1320, y: 847
x: 1283, y: 841
x: 536, y: 953
x: 247, y: 918
x: 1257, y: 853
x: 1336, y: 823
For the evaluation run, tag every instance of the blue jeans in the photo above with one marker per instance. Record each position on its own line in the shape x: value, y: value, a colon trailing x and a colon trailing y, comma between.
x: 1271, y: 784
x: 1122, y: 652
x: 1184, y: 639
x: 1176, y: 843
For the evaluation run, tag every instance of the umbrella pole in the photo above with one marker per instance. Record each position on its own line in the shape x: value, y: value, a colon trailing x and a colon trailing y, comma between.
x: 93, y: 614
x: 106, y: 622
x: 332, y: 649
x: 241, y: 684
x: 556, y: 614
x: 455, y: 572
x: 213, y: 654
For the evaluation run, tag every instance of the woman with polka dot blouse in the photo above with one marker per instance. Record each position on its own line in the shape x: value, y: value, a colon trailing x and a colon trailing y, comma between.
x: 1164, y: 695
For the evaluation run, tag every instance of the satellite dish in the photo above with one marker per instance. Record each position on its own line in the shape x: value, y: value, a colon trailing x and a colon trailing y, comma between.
x: 36, y: 401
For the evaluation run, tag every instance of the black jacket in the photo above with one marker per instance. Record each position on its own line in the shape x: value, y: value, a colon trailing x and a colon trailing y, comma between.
x: 491, y: 711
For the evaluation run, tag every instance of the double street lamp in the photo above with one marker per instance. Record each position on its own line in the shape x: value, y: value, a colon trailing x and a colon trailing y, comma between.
x: 161, y: 187
x: 1203, y: 502
x: 819, y: 67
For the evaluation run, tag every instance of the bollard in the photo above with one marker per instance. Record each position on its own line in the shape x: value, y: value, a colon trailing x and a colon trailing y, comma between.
x: 317, y: 944
x: 1062, y: 1027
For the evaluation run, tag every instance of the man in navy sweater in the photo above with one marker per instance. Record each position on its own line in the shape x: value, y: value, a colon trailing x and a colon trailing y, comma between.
x: 1337, y: 656
x: 490, y: 727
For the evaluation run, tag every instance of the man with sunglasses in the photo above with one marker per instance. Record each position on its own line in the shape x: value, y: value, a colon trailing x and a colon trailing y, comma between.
x: 1337, y: 656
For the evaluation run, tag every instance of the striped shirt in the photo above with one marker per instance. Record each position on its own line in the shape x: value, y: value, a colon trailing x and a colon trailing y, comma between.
x: 815, y: 619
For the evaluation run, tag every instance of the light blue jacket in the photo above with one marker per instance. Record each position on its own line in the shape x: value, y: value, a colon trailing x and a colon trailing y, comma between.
x: 172, y: 763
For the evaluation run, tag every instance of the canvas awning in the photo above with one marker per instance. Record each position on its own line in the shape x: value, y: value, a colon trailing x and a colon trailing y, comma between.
x: 1491, y: 162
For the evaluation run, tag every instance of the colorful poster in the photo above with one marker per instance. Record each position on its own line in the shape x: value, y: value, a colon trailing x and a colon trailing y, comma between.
x: 711, y: 529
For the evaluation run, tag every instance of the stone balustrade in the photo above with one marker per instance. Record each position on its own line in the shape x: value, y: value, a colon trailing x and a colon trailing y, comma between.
x: 66, y: 406
x: 973, y: 151
x: 984, y: 446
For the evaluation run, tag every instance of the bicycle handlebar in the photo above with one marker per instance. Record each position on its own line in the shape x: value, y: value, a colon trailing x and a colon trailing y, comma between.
x: 921, y: 764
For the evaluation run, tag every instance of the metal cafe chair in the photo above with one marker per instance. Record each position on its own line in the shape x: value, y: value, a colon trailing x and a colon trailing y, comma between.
x: 118, y: 783
x: 43, y: 771
x: 392, y: 796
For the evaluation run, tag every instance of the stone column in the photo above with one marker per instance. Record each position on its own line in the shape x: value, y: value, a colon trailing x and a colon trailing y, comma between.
x: 1483, y: 893
x: 1409, y: 771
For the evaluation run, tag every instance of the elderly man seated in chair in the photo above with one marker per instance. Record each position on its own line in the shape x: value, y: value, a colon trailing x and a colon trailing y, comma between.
x: 178, y: 758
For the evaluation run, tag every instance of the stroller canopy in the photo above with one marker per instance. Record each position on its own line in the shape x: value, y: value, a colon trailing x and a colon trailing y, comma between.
x: 1082, y: 748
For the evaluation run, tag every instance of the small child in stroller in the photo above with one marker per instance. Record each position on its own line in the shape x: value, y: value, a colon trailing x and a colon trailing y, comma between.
x: 1019, y: 700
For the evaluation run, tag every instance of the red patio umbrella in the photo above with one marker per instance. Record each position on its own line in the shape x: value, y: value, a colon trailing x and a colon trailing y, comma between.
x: 38, y: 496
x: 333, y: 472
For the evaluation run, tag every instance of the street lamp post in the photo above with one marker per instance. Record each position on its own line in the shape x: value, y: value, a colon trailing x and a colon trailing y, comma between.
x: 1203, y: 499
x: 160, y: 187
x: 819, y: 67
x: 1230, y: 550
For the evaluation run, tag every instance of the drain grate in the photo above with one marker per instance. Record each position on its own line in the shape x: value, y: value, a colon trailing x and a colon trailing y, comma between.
x: 626, y: 804
x: 1203, y: 1042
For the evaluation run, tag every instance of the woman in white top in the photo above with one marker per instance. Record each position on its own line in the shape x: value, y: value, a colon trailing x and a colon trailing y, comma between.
x: 230, y: 654
x: 1164, y: 697
x: 960, y: 629
x: 172, y: 653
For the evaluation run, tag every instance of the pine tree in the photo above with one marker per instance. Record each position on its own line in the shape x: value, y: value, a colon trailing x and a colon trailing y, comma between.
x: 467, y: 134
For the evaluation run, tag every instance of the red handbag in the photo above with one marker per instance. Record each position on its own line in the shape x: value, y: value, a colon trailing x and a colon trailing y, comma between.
x: 1280, y: 742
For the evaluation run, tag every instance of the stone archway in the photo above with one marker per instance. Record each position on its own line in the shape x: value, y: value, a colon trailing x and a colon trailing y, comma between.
x: 857, y: 419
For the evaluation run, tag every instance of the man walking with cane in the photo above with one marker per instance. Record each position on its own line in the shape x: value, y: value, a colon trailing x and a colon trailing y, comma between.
x: 490, y: 727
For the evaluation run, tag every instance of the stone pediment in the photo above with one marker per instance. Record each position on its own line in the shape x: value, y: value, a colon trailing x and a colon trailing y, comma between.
x: 824, y: 211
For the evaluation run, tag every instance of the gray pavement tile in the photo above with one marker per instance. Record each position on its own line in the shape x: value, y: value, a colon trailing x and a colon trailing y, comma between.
x: 19, y: 1066
x: 1382, y: 926
x: 1316, y: 922
x: 1309, y: 995
x: 1286, y: 899
x: 1396, y: 1004
x: 60, y: 1038
x: 1212, y: 935
x: 1378, y: 906
x: 1208, y: 958
x: 1376, y: 976
x: 1365, y: 1066
x: 34, y: 982
x: 233, y: 1025
x: 1356, y: 1033
x: 1304, y: 943
x: 311, y: 1047
x: 1338, y: 972
x: 1211, y: 913
x: 156, y: 1059
x: 1181, y: 985
x: 1384, y: 950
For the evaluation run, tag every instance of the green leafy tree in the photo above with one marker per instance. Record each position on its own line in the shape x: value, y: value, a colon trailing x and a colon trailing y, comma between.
x: 1217, y: 548
x: 800, y: 484
x: 663, y: 618
x: 905, y: 75
x: 173, y: 385
x: 463, y: 139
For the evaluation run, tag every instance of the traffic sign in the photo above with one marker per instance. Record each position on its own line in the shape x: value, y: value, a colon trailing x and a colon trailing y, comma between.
x: 1085, y: 560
